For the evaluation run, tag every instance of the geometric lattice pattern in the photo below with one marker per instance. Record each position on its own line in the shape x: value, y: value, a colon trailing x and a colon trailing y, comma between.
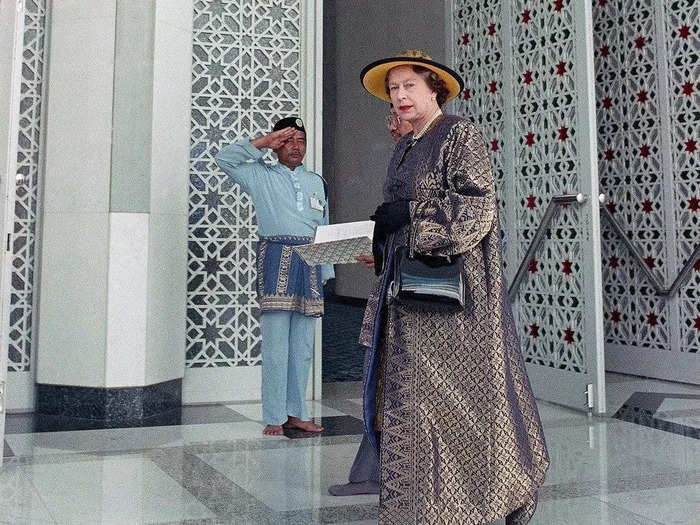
x: 544, y: 160
x: 648, y: 112
x: 245, y: 76
x: 22, y: 285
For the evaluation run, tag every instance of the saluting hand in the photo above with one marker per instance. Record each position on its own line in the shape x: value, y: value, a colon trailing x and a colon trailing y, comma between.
x: 274, y: 140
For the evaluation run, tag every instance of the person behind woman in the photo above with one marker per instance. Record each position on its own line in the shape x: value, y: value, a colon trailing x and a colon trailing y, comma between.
x: 461, y: 438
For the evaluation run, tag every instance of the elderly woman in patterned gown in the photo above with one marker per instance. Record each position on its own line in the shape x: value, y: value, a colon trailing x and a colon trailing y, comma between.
x: 461, y: 439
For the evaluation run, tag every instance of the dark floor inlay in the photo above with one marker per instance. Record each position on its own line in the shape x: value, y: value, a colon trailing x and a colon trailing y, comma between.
x: 641, y: 409
x: 332, y: 426
x: 7, y: 451
x: 208, y: 414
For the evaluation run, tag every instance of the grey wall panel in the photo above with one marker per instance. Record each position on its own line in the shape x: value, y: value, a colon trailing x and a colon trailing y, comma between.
x: 357, y: 146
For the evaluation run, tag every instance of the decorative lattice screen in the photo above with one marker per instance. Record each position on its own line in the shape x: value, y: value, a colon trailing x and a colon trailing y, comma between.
x: 648, y: 104
x: 245, y: 76
x: 22, y: 285
x: 517, y: 60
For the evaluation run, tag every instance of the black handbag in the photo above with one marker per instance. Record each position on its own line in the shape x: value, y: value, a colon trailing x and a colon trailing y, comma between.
x: 419, y: 281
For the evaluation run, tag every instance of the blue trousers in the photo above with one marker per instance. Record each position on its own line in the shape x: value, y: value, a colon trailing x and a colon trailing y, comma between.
x: 287, y: 350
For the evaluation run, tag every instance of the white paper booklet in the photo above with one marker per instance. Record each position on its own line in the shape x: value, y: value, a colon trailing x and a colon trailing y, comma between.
x: 344, y: 230
x: 338, y: 243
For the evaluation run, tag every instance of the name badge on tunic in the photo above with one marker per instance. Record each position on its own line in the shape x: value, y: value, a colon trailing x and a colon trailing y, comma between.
x: 316, y: 203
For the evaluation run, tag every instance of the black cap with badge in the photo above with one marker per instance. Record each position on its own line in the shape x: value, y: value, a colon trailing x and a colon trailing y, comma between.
x: 290, y: 122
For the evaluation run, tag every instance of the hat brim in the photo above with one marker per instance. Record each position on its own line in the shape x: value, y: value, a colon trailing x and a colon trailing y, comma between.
x: 373, y: 76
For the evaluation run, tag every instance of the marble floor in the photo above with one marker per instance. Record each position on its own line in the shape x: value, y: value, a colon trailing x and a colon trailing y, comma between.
x: 641, y: 466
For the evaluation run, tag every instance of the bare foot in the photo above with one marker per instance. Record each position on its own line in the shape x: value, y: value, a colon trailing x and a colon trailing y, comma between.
x: 273, y: 430
x: 306, y: 426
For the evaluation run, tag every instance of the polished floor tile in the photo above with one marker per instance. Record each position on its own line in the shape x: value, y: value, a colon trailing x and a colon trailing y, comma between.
x: 218, y: 468
x: 671, y: 506
x: 253, y: 411
x: 118, y: 490
x: 126, y: 439
x: 291, y: 479
x: 20, y: 502
x: 585, y: 511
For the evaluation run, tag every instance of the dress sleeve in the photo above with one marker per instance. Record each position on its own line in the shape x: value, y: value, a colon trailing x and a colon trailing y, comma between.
x: 463, y: 215
x: 243, y: 163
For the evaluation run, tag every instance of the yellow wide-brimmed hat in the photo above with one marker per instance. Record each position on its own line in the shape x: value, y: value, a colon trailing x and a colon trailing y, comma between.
x: 373, y: 75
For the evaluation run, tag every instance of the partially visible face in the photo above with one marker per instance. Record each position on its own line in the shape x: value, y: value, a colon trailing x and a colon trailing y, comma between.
x: 397, y: 127
x: 292, y: 152
x: 412, y: 98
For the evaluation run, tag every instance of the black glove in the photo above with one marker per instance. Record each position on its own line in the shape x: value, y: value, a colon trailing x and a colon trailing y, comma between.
x: 378, y: 246
x: 390, y: 216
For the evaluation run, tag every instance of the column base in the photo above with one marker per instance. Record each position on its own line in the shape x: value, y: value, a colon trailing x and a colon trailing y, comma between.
x: 61, y: 406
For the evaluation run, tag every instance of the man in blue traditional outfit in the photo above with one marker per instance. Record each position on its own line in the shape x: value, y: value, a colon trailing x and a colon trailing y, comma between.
x: 290, y: 202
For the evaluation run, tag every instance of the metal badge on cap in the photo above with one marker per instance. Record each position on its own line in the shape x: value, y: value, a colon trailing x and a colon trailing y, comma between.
x: 299, y: 123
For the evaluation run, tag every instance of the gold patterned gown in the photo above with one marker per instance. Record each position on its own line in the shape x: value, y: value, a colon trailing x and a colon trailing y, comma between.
x: 461, y: 438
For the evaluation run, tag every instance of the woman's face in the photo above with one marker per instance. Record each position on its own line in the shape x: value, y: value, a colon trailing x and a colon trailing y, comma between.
x: 413, y: 100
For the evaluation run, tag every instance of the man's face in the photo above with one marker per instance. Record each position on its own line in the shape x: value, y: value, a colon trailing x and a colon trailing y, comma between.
x: 397, y: 127
x: 292, y: 152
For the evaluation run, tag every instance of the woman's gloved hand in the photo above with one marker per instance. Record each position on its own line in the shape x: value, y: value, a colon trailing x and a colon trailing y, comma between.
x: 390, y: 216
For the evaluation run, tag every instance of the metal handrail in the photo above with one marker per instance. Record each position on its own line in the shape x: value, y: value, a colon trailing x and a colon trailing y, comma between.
x: 659, y: 287
x: 539, y: 235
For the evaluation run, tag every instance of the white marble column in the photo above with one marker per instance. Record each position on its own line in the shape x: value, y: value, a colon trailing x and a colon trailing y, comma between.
x: 114, y: 239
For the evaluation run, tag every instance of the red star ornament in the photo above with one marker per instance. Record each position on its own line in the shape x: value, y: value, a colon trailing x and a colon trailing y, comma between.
x: 569, y: 336
x: 492, y: 29
x: 639, y: 42
x: 527, y: 77
x: 561, y: 68
x: 532, y: 267
x: 525, y: 17
x: 530, y: 139
x: 691, y: 146
x: 693, y: 204
x: 684, y: 32
x: 493, y: 86
x: 697, y: 323
x: 566, y: 267
x: 613, y: 262
x: 494, y: 145
x: 644, y: 150
x: 465, y: 39
x: 642, y: 96
x: 687, y: 89
x: 558, y: 5
x: 563, y: 133
x: 531, y: 202
x: 534, y: 330
x: 652, y: 319
x: 615, y: 316
x: 647, y: 206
